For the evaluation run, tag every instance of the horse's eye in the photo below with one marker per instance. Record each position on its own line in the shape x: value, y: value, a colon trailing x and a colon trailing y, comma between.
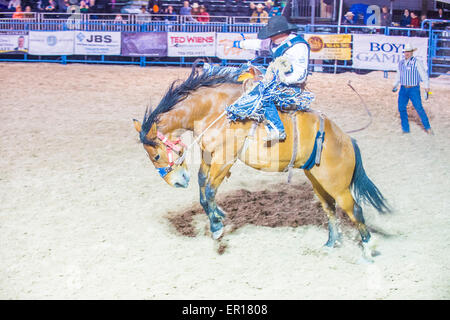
x: 157, y: 157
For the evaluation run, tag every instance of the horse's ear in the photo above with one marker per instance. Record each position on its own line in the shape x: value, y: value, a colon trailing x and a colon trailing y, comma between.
x: 152, y: 132
x: 137, y: 125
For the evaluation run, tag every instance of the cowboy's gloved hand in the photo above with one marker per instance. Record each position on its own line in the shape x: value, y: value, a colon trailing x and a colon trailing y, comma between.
x: 283, y: 65
x: 394, y: 89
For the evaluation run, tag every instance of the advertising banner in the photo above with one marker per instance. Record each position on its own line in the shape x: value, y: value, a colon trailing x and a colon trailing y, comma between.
x: 13, y: 41
x: 234, y: 53
x: 97, y: 43
x: 330, y: 46
x: 51, y: 43
x: 150, y: 44
x: 198, y: 44
x: 380, y: 52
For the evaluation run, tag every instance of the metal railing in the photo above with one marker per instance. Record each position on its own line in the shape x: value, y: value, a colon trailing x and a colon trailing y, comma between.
x: 438, y: 40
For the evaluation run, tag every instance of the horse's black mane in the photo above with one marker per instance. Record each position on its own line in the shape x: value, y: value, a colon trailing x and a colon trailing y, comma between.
x: 178, y: 92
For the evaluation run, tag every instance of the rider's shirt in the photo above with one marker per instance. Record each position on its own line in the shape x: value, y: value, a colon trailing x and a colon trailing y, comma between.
x: 297, y: 54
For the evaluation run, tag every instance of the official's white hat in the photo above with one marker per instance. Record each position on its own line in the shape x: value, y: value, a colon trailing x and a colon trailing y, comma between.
x: 408, y: 48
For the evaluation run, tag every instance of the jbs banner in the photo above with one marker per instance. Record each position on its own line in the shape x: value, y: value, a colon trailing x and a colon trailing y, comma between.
x: 330, y: 46
x: 51, y: 42
x: 379, y: 52
x: 234, y: 53
x: 97, y: 43
x: 13, y: 41
x: 150, y: 44
x: 199, y: 44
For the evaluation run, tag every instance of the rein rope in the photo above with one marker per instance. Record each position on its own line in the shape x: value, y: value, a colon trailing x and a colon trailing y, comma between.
x: 183, y: 156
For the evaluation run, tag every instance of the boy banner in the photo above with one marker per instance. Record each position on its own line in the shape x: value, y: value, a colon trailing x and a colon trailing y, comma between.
x: 380, y: 52
x: 184, y: 44
x: 330, y: 46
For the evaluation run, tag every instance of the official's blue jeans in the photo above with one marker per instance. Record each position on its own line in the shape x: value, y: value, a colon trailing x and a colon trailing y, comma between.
x: 412, y: 94
x: 272, y: 116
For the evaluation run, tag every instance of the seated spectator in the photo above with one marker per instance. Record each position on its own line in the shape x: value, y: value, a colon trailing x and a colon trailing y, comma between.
x: 143, y: 16
x: 154, y: 6
x: 441, y: 16
x: 426, y: 25
x: 406, y: 19
x: 349, y: 19
x: 260, y: 15
x: 84, y: 7
x: 415, y: 23
x: 195, y: 11
x: 251, y: 9
x: 63, y: 5
x: 204, y: 15
x: 19, y: 13
x: 51, y: 7
x: 28, y: 13
x: 13, y: 4
x: 271, y: 9
x: 186, y: 11
x: 119, y: 19
x: 385, y: 17
x: 170, y: 15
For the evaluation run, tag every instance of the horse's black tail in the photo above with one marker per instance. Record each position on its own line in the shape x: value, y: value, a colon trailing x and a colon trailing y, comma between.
x: 363, y: 188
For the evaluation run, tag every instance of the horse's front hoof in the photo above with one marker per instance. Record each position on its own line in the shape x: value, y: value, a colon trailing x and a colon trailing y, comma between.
x: 334, y: 243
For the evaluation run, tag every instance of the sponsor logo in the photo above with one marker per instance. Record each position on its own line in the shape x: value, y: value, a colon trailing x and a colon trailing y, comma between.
x: 80, y: 36
x: 51, y: 41
x: 315, y: 43
x: 191, y: 40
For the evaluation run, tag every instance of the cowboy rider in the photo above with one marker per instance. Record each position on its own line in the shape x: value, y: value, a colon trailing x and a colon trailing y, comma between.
x: 293, y: 53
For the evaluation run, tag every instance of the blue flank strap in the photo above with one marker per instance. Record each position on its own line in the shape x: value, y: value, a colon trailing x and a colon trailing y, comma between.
x: 309, y: 164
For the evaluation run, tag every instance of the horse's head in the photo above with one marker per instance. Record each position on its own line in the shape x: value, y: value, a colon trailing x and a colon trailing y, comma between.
x: 166, y: 155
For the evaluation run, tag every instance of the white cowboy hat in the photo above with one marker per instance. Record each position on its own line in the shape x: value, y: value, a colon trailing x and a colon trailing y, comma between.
x: 195, y: 5
x: 349, y: 14
x: 408, y: 47
x: 260, y: 5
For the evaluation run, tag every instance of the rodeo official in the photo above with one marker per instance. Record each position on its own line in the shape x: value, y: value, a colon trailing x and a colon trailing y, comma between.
x: 410, y: 72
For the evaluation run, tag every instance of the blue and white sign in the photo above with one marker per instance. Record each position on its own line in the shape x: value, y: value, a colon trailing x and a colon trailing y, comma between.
x: 380, y: 52
x: 97, y: 43
x: 51, y: 43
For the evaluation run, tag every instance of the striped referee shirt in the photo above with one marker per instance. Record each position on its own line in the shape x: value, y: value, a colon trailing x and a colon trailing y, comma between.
x: 410, y: 72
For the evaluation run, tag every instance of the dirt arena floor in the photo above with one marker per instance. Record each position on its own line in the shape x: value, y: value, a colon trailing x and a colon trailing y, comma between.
x: 84, y: 215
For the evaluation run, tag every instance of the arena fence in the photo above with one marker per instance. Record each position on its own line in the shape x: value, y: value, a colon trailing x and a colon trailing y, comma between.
x: 437, y: 55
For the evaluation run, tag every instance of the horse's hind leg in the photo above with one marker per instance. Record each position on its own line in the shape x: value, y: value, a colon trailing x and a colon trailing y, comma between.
x: 354, y: 212
x: 329, y: 206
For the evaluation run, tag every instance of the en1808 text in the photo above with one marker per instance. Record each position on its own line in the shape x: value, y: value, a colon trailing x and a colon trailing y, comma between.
x: 235, y: 309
